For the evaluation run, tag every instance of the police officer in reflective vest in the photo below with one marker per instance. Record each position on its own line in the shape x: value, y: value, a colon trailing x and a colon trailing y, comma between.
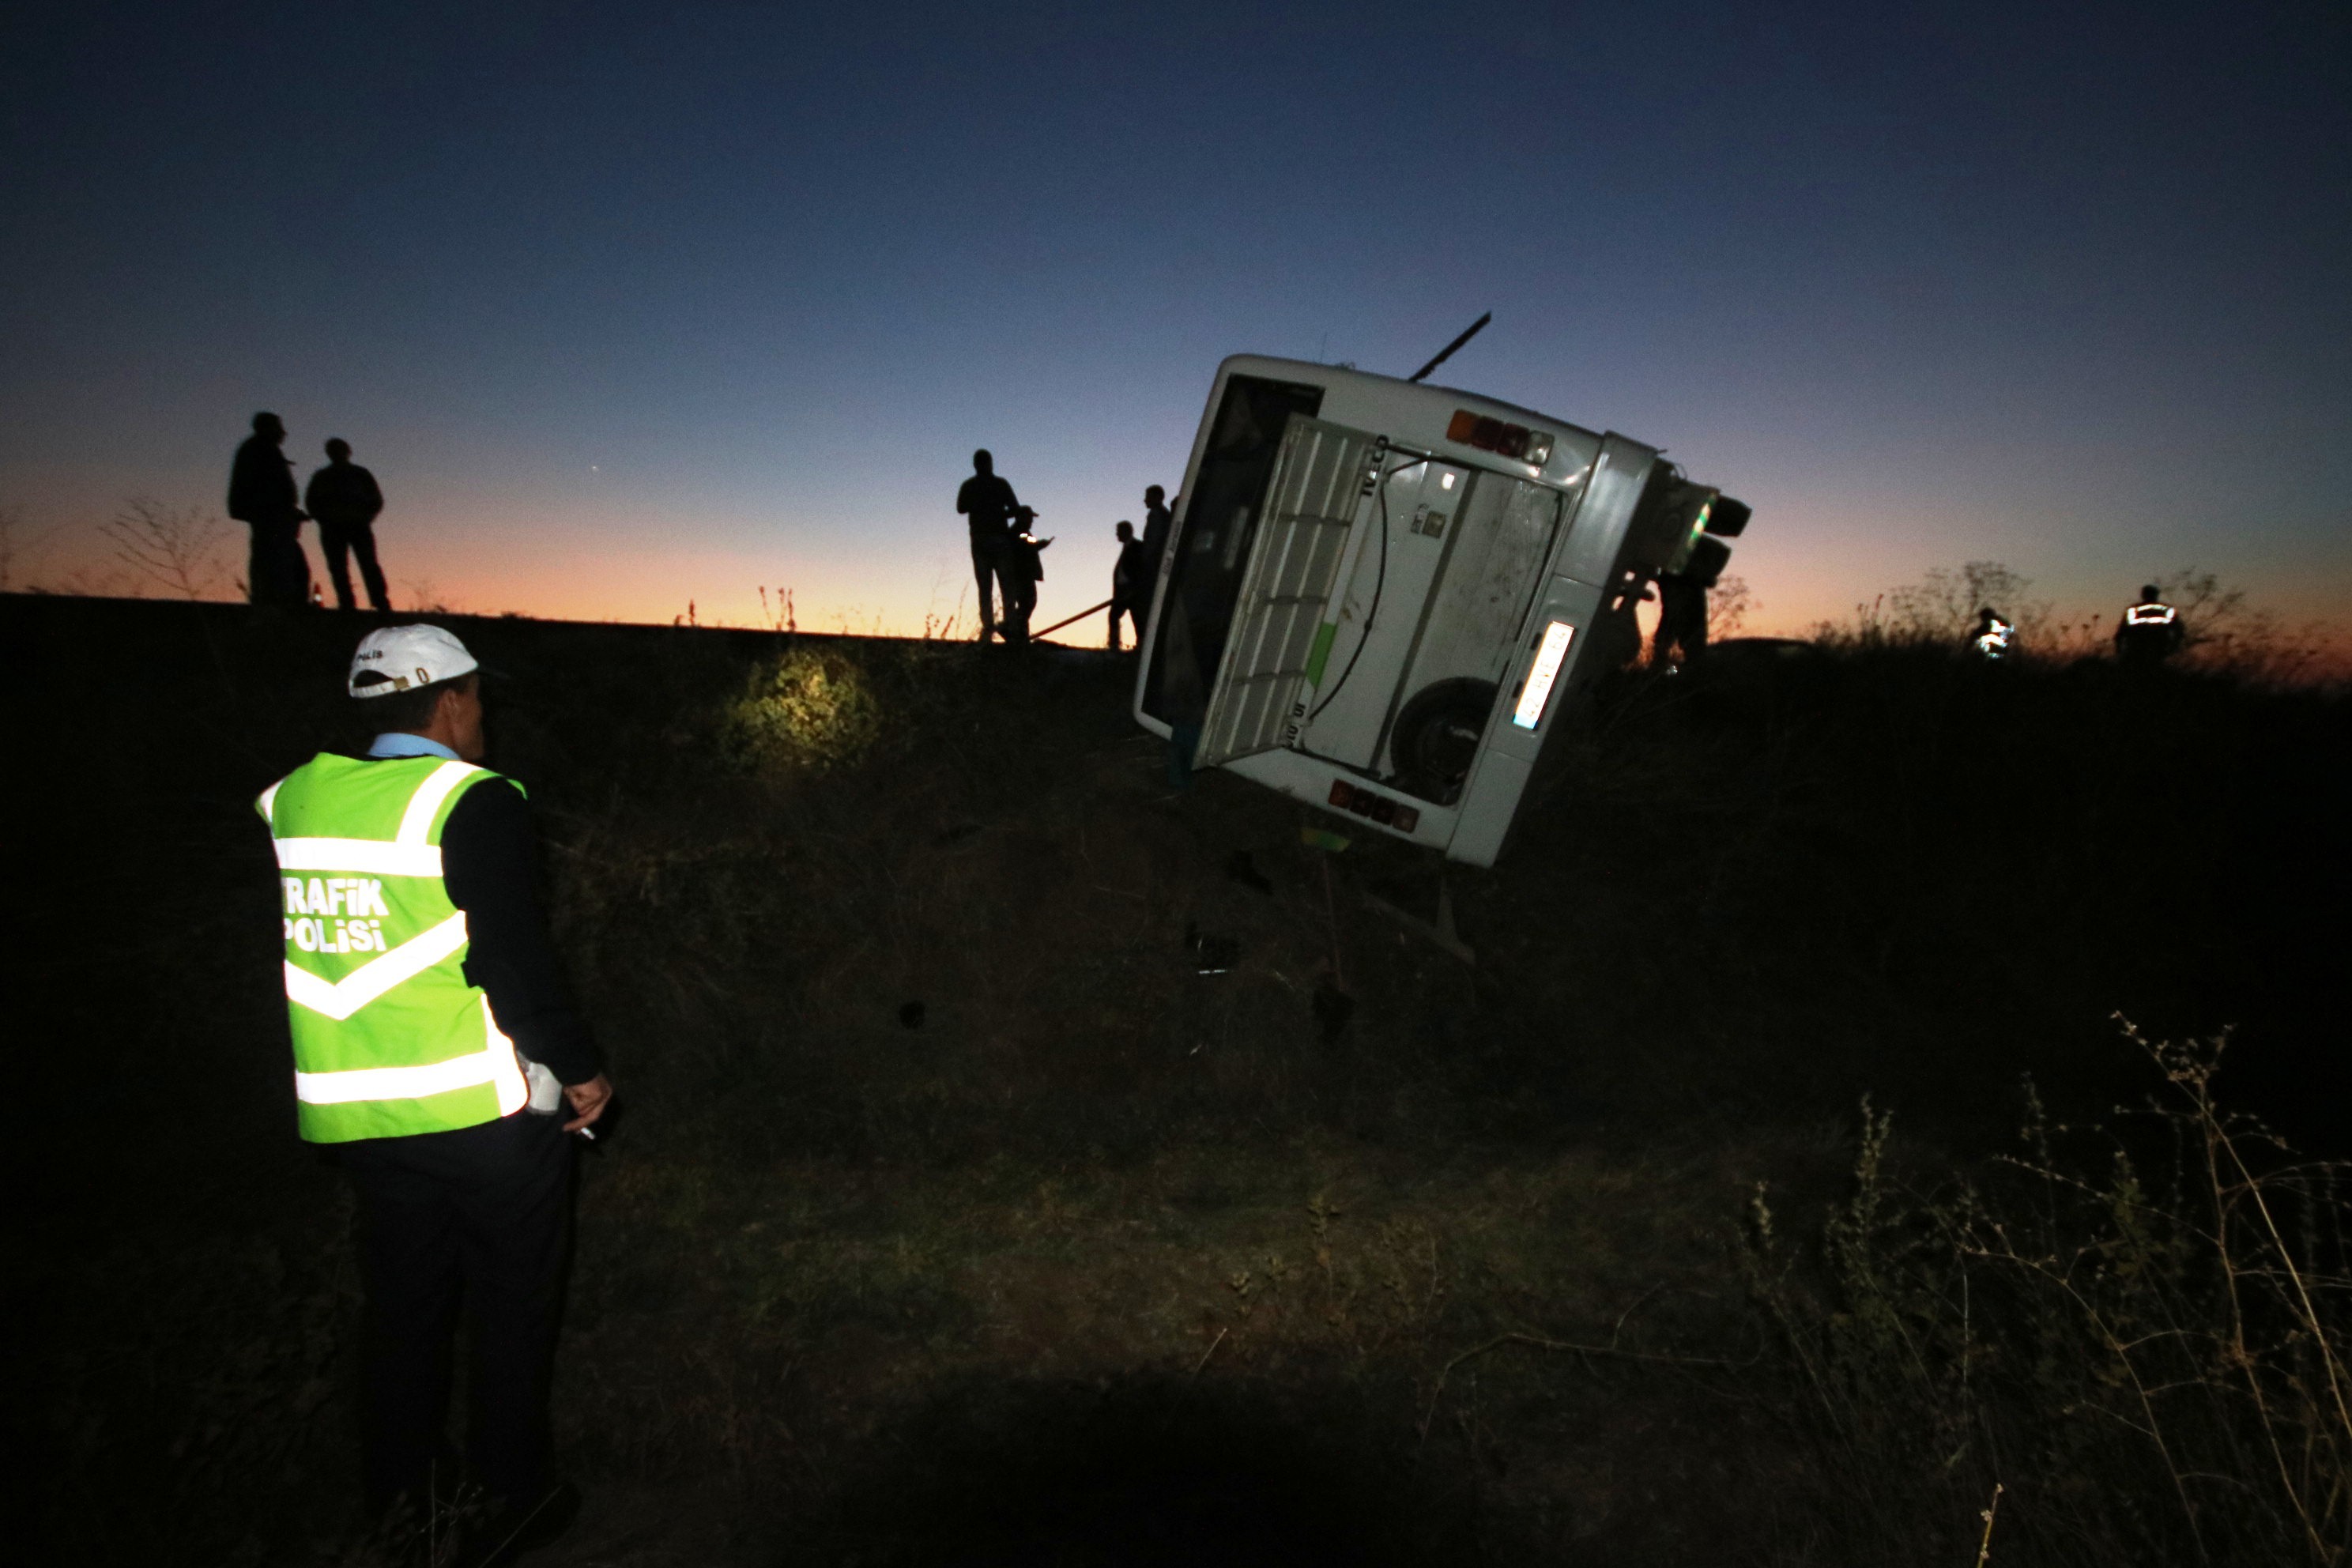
x: 434, y: 1045
x: 1993, y: 639
x: 2149, y: 632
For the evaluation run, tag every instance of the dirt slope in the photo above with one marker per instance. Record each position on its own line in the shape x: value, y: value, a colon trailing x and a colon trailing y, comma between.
x: 955, y: 1213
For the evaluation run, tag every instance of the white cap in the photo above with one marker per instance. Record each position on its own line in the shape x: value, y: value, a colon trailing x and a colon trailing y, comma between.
x: 402, y: 659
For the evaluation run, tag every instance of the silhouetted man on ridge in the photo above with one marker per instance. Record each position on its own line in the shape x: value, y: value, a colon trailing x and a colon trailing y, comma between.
x: 1130, y: 584
x: 987, y: 504
x: 261, y: 496
x: 1157, y: 520
x: 343, y: 497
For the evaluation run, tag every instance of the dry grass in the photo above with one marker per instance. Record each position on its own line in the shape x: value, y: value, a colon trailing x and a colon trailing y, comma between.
x: 2143, y: 1351
x: 1459, y: 1276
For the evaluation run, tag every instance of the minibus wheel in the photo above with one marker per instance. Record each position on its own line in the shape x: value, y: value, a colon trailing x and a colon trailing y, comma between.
x: 1436, y: 737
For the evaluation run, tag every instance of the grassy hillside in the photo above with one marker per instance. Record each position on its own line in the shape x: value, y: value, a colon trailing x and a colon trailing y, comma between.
x: 954, y: 1215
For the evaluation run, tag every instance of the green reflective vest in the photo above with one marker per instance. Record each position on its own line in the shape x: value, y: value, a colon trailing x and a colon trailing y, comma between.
x: 389, y: 1038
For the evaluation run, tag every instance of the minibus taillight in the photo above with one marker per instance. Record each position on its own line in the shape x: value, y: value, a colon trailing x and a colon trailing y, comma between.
x: 1491, y: 435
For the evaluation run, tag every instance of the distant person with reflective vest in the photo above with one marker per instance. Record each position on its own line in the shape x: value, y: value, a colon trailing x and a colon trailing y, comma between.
x: 1993, y: 639
x: 2149, y: 632
x: 343, y: 497
x: 436, y: 1050
x: 987, y: 502
x: 261, y: 496
x: 1130, y: 584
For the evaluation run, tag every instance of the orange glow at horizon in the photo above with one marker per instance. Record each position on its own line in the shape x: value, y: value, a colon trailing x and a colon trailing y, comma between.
x: 916, y: 580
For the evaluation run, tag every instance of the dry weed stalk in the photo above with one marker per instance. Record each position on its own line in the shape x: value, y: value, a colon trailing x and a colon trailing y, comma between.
x: 2109, y: 1335
x: 2225, y: 636
x: 1991, y: 1512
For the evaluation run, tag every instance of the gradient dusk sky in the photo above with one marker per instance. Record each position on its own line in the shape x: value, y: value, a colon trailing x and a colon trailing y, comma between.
x: 632, y: 305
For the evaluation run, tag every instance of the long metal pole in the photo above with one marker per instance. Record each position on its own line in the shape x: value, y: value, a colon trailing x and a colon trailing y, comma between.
x: 1081, y: 616
x: 1447, y: 351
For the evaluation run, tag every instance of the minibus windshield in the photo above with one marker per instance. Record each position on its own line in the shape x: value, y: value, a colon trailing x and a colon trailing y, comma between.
x: 1212, y: 545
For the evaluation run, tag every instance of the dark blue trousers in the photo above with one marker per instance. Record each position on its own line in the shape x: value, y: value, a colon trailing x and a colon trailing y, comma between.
x: 358, y: 540
x: 478, y: 1220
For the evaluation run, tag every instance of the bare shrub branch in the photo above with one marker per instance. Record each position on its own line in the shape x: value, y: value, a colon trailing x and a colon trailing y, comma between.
x: 1728, y: 605
x: 175, y: 548
x: 2091, y: 1336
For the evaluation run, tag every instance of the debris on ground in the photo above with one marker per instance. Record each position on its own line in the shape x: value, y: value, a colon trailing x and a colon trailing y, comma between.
x: 1333, y: 1008
x: 1215, y: 954
x: 1240, y: 868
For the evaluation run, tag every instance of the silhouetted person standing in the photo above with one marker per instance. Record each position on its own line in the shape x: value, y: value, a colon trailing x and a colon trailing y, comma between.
x: 1130, y: 584
x: 343, y: 497
x: 1682, y: 620
x: 1157, y: 520
x: 2150, y: 631
x: 1020, y: 568
x: 987, y: 504
x: 261, y: 496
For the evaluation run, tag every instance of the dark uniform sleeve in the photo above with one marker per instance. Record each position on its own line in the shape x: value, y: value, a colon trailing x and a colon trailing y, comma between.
x: 489, y: 855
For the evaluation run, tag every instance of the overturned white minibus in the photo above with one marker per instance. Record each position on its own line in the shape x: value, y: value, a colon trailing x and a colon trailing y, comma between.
x: 1377, y: 596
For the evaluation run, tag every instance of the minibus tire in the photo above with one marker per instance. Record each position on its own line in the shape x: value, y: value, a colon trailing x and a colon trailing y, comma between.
x: 1436, y: 737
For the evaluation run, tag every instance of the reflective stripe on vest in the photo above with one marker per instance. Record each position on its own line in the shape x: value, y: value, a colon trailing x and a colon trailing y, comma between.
x: 392, y: 1039
x: 339, y: 999
x: 2148, y: 614
x: 354, y: 1084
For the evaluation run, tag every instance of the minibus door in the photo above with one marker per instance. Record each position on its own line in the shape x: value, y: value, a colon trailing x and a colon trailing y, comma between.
x: 1322, y: 483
